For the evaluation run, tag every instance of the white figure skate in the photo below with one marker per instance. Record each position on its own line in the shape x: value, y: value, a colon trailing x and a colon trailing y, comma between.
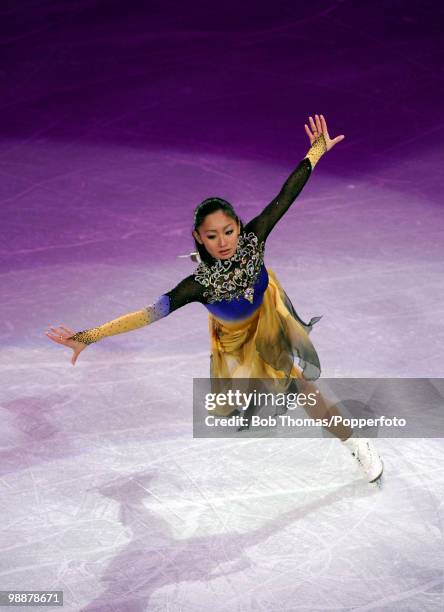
x: 365, y: 453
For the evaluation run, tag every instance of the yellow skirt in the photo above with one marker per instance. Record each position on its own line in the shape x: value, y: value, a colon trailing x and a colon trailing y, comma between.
x: 263, y: 346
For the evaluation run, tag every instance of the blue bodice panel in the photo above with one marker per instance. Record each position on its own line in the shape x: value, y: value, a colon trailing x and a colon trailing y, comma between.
x: 241, y: 308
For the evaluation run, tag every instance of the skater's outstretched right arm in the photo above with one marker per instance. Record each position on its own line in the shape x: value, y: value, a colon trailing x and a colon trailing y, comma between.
x: 188, y: 290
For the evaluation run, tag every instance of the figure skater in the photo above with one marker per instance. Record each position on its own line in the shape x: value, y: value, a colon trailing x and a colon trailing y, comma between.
x: 255, y: 333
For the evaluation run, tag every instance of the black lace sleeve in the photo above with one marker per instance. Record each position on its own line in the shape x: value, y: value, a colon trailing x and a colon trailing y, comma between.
x: 188, y: 290
x: 267, y: 219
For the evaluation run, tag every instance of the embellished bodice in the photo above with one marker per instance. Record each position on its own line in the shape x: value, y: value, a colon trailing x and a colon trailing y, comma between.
x: 241, y: 308
x: 234, y: 287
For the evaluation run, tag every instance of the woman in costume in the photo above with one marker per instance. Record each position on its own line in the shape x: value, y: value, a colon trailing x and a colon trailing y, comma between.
x: 255, y: 333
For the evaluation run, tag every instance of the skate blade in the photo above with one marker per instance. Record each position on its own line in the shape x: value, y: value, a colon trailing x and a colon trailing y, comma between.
x: 378, y: 480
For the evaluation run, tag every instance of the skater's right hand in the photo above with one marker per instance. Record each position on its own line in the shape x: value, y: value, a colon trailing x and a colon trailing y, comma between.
x: 61, y: 334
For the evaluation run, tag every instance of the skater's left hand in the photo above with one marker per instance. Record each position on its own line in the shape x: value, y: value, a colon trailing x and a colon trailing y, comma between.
x: 320, y: 127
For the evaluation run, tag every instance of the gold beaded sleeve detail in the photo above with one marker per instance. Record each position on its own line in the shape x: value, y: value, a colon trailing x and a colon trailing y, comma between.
x: 125, y: 323
x: 317, y: 150
x: 188, y: 290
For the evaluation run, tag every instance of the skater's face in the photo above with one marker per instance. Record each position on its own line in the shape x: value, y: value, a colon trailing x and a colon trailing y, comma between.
x: 218, y: 233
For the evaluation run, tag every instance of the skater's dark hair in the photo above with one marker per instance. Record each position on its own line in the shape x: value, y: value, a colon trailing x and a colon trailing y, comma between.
x: 208, y: 206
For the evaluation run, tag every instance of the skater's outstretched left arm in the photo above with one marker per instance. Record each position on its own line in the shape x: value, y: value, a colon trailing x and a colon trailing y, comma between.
x: 320, y: 143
